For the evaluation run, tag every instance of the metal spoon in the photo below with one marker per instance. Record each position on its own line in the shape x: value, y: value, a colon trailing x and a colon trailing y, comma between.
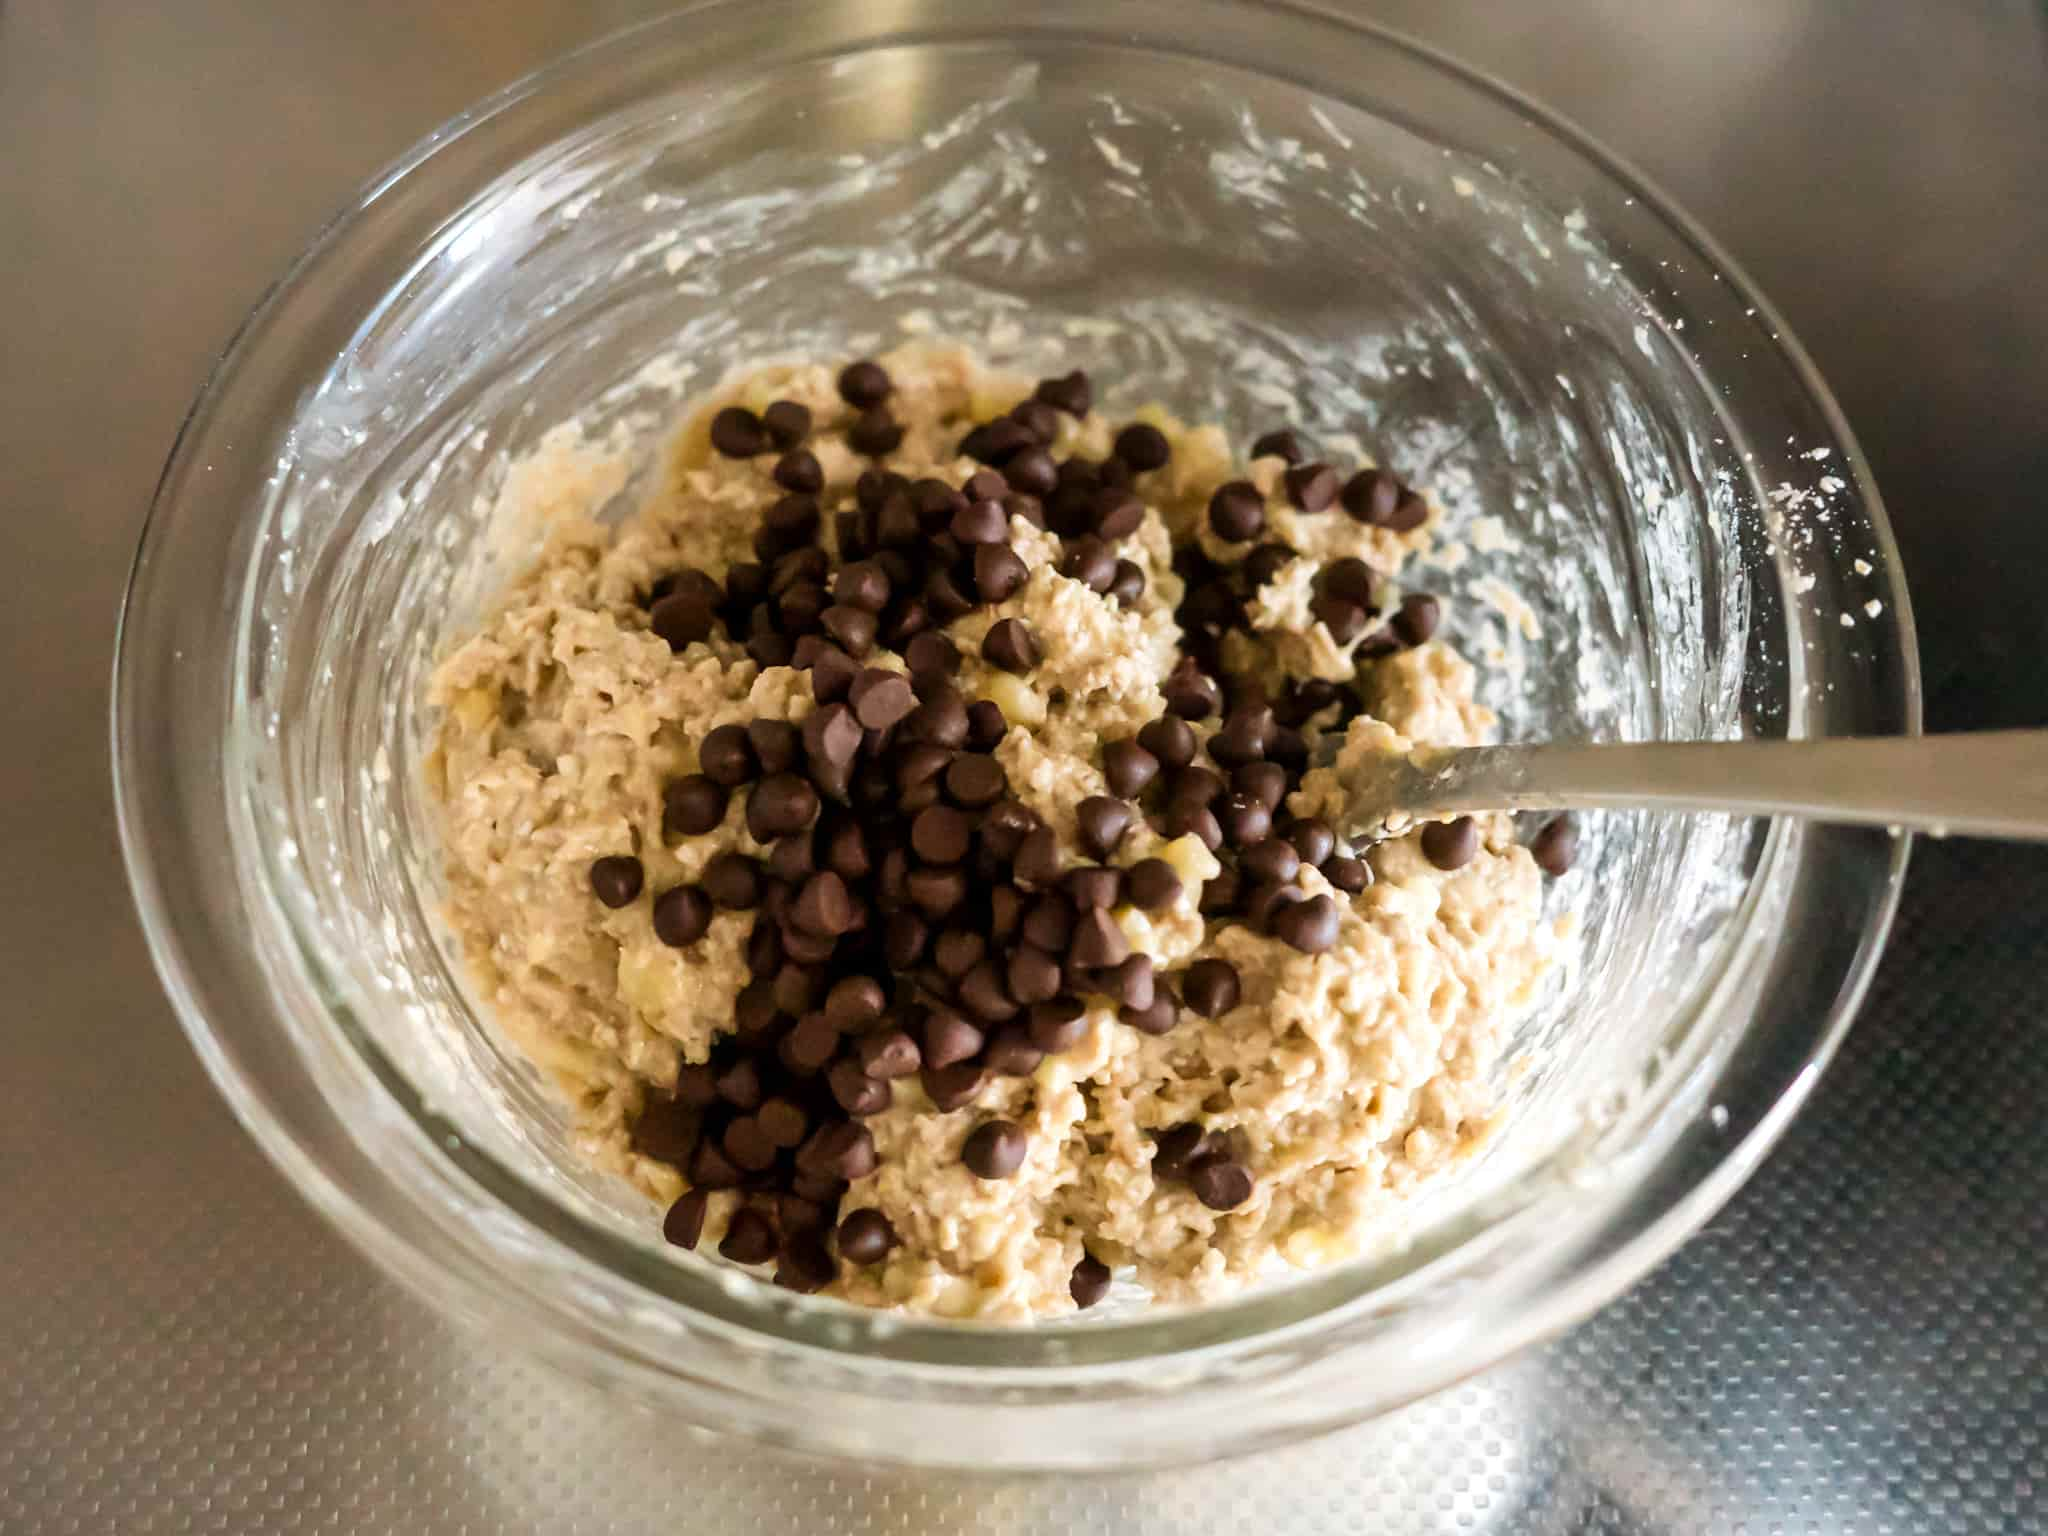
x: 1980, y: 784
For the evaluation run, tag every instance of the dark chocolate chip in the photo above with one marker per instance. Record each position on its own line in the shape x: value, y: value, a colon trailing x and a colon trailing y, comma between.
x: 855, y: 1091
x: 682, y: 916
x: 1153, y: 884
x: 692, y: 806
x: 1271, y: 861
x: 888, y: 1053
x: 1069, y: 392
x: 949, y: 1038
x: 1451, y: 844
x: 1037, y: 417
x: 1142, y: 446
x: 1033, y: 975
x: 998, y: 572
x: 954, y: 1087
x: 798, y: 987
x: 711, y: 1168
x: 1157, y: 1017
x: 1129, y: 584
x: 941, y: 835
x: 936, y: 892
x: 1555, y: 845
x: 904, y: 939
x: 788, y: 422
x: 931, y: 653
x: 1094, y: 888
x: 727, y: 757
x: 1098, y: 941
x: 864, y: 383
x: 1031, y: 470
x: 1192, y: 695
x: 1309, y: 926
x: 1211, y: 987
x: 1221, y: 1185
x: 799, y: 471
x: 737, y: 433
x: 1116, y: 514
x: 1011, y: 645
x: 958, y: 951
x: 1350, y: 579
x: 1416, y: 619
x: 1371, y: 496
x: 806, y: 1264
x: 1264, y: 563
x: 880, y: 698
x: 733, y: 881
x: 1312, y: 487
x: 1197, y: 821
x: 616, y: 878
x: 981, y: 522
x: 1049, y: 925
x: 1134, y: 982
x: 779, y: 805
x: 1128, y: 767
x: 740, y: 1085
x: 832, y: 674
x: 1089, y: 1282
x: 825, y: 906
x: 1347, y: 874
x: 843, y: 1150
x: 994, y: 1150
x: 1170, y: 740
x: 684, y: 1223
x: 1011, y: 1054
x: 1312, y: 839
x: 1037, y: 860
x: 1057, y: 1024
x: 749, y: 1238
x: 1102, y: 821
x: 1261, y: 901
x: 1280, y: 444
x: 683, y: 617
x: 865, y: 1236
x: 983, y: 993
x: 1237, y: 511
x: 974, y: 781
x: 875, y: 433
x: 696, y: 1084
x: 941, y: 719
x: 1344, y: 620
x: 1090, y: 563
x: 1264, y: 782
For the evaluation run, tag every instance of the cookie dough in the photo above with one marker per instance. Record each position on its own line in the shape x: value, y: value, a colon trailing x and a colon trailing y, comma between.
x: 901, y: 843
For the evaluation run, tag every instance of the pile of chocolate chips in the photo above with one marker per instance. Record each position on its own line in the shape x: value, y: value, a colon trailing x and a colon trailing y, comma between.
x: 911, y: 916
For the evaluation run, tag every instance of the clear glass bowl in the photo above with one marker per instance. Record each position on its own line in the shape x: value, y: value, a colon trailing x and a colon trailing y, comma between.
x: 1257, y: 213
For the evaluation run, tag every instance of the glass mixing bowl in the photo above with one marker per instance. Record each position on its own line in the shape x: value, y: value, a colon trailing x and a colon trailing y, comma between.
x: 1257, y: 213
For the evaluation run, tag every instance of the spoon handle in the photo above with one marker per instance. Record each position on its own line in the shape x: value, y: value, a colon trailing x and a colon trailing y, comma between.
x: 1982, y: 784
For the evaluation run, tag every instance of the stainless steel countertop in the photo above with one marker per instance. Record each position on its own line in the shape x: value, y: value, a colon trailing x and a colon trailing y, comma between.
x: 1856, y: 1344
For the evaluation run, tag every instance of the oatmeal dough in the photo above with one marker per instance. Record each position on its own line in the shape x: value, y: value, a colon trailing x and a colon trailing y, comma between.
x: 827, y: 834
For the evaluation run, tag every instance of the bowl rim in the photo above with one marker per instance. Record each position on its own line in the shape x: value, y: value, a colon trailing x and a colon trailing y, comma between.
x: 1589, y: 1288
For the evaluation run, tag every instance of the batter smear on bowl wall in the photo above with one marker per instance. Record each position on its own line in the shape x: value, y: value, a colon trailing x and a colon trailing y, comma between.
x: 905, y: 843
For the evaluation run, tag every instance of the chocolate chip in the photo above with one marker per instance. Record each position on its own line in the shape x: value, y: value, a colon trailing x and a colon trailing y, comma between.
x: 692, y: 806
x: 958, y: 951
x: 983, y: 993
x: 1237, y: 511
x: 1272, y: 860
x: 727, y: 757
x: 1312, y: 839
x: 1410, y: 512
x: 1069, y: 392
x: 782, y: 1121
x: 754, y: 1014
x: 1244, y: 820
x: 1116, y: 513
x: 1416, y: 619
x: 1049, y: 925
x: 1178, y: 1149
x: 936, y: 892
x: 684, y: 617
x: 949, y: 1037
x: 941, y: 835
x: 930, y: 654
x: 806, y: 1264
x: 1263, y: 900
x: 1102, y: 821
x: 1142, y: 446
x: 749, y: 1238
x: 1170, y: 740
x: 740, y: 1085
x: 1157, y: 1017
x: 875, y: 433
x: 1153, y: 885
x: 684, y: 1223
x: 1091, y: 564
x: 1312, y: 487
x: 1371, y: 496
x: 733, y: 881
x: 1033, y: 975
x: 1347, y: 874
x: 1011, y: 1053
x: 865, y: 1236
x: 1555, y: 845
x: 711, y: 1168
x: 1350, y: 579
x: 994, y: 1150
x: 799, y: 471
x: 1011, y: 645
x: 1129, y: 584
x: 981, y: 522
x: 696, y: 1084
x: 1280, y: 444
x: 1089, y: 1282
x: 1451, y: 844
x: 1098, y: 941
x: 974, y: 781
x: 944, y: 598
x: 995, y: 442
x: 880, y: 698
x: 787, y: 422
x: 787, y: 526
x: 825, y: 906
x: 1037, y: 417
x: 682, y: 916
x: 1309, y: 926
x: 832, y: 674
x: 1031, y: 470
x: 998, y: 572
x: 1191, y: 695
x: 1091, y: 889
x: 940, y: 720
x: 1211, y: 987
x: 779, y: 805
x: 666, y: 1129
x: 737, y: 433
x: 798, y: 987
x: 616, y: 878
x: 864, y: 383
x: 1344, y: 620
x: 1221, y: 1185
x: 855, y: 1091
x: 985, y: 485
x: 904, y: 939
x: 954, y: 1087
x: 1264, y: 782
x: 809, y: 948
x: 888, y: 1053
x: 1037, y: 860
x: 843, y: 1150
x: 1134, y: 982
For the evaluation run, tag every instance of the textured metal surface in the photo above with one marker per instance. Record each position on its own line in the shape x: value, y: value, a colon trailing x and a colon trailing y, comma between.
x: 1855, y: 1345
